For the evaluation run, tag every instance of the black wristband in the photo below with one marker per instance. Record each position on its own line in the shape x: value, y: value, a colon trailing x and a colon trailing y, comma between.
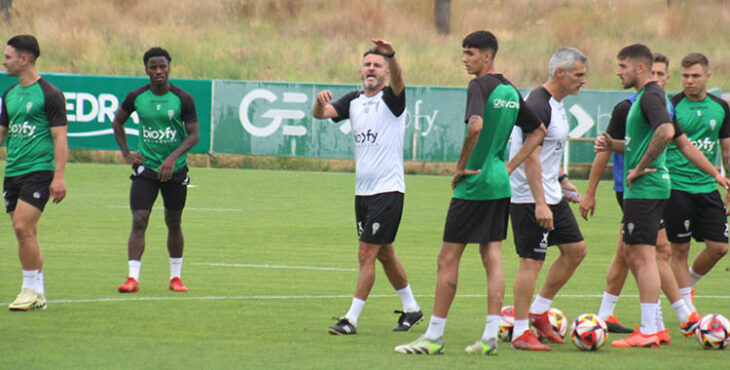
x: 389, y: 55
x: 562, y: 177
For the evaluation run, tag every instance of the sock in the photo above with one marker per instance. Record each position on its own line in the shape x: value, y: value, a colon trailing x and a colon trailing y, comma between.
x: 694, y: 277
x: 355, y: 309
x: 687, y: 297
x: 175, y: 267
x: 681, y: 310
x: 540, y: 305
x: 30, y: 279
x: 40, y: 284
x: 492, y: 327
x: 408, y: 300
x: 521, y: 326
x: 435, y: 327
x: 608, y: 304
x: 648, y: 318
x: 134, y: 267
x: 659, y: 317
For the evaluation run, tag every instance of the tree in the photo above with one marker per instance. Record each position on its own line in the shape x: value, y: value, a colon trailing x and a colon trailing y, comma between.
x: 442, y: 13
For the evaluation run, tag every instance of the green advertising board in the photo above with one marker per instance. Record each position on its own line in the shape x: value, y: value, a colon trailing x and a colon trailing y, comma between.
x: 91, y: 102
x: 263, y: 118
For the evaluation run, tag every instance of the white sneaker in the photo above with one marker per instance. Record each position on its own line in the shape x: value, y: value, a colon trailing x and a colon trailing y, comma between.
x: 28, y: 299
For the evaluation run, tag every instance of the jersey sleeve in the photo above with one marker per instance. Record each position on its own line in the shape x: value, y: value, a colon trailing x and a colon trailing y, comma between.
x: 653, y: 106
x: 725, y: 127
x: 475, y: 100
x: 187, y: 108
x: 4, y: 118
x: 617, y: 124
x: 342, y: 105
x: 55, y: 106
x: 527, y: 120
x: 396, y: 104
x: 128, y: 103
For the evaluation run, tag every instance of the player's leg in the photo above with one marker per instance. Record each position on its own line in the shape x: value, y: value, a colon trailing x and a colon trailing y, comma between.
x: 706, y: 260
x: 571, y: 255
x: 174, y: 194
x: 25, y: 199
x: 411, y: 313
x: 710, y: 226
x: 25, y: 224
x: 641, y: 224
x: 142, y: 196
x: 431, y: 342
x: 615, y: 280
x: 492, y: 260
x: 680, y: 268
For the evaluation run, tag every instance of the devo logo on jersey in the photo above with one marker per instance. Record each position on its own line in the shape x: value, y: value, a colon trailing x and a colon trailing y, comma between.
x: 500, y: 103
x: 21, y: 129
x: 168, y: 135
x: 368, y: 137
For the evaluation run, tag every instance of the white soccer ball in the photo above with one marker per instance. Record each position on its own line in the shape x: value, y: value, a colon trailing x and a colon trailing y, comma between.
x: 588, y: 332
x: 712, y: 331
x: 506, y: 325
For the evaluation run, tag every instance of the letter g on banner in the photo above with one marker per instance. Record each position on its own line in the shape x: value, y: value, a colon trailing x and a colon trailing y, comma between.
x: 277, y: 116
x: 243, y: 113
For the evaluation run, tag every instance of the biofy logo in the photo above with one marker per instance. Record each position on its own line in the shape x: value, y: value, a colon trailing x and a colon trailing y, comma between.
x: 22, y: 129
x: 168, y: 135
x: 365, y: 137
x: 705, y: 145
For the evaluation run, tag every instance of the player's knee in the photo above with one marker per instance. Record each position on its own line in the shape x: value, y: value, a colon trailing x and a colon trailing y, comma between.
x: 173, y: 224
x: 578, y: 253
x: 718, y: 250
x: 139, y: 223
x: 23, y: 229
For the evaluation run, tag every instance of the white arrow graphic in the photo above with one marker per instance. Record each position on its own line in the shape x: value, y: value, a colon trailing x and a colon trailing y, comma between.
x: 585, y: 121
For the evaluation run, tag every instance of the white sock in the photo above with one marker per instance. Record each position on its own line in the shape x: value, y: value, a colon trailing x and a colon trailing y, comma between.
x: 659, y: 316
x: 408, y: 300
x: 540, y: 305
x: 134, y: 267
x: 687, y: 297
x: 435, y: 327
x: 648, y: 318
x: 608, y: 304
x: 492, y: 327
x: 40, y: 286
x: 175, y: 267
x: 30, y: 279
x: 355, y: 309
x: 694, y: 277
x: 680, y: 308
x: 521, y: 326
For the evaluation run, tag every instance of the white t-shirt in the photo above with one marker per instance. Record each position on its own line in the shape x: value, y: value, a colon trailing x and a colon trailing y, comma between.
x: 378, y: 125
x: 552, y: 113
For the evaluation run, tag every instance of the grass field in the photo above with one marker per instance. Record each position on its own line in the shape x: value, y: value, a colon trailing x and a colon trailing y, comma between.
x: 270, y: 259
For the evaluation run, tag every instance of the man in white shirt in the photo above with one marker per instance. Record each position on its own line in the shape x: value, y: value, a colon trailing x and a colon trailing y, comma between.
x: 377, y: 115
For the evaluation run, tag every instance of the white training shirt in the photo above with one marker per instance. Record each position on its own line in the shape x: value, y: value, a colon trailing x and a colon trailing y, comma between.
x: 378, y: 125
x: 552, y: 113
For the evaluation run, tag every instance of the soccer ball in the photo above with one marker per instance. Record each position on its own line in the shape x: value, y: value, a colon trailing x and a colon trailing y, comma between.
x: 588, y: 332
x: 712, y: 332
x: 558, y: 321
x: 507, y: 323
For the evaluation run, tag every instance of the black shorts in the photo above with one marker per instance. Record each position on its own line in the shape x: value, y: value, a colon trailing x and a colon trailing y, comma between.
x: 145, y: 187
x: 378, y: 217
x: 531, y: 240
x: 701, y: 216
x: 32, y: 188
x: 476, y: 221
x: 643, y: 220
x: 620, y: 199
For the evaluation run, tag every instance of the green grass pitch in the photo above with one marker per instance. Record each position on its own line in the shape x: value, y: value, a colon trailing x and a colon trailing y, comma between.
x: 270, y: 258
